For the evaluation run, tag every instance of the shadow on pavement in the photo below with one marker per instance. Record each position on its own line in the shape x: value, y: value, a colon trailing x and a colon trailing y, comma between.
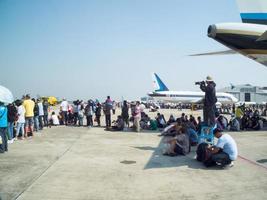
x: 157, y: 160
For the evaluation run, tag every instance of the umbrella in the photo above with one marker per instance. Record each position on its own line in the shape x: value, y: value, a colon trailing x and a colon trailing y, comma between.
x: 5, y: 95
x: 52, y: 100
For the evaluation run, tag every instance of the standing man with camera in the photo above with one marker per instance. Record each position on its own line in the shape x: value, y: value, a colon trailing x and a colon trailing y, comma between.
x: 209, y: 101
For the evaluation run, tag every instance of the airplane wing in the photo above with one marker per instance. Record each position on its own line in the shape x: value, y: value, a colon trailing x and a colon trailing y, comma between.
x: 226, y: 52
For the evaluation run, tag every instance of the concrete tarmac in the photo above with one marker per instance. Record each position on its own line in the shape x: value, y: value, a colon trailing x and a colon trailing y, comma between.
x: 67, y: 163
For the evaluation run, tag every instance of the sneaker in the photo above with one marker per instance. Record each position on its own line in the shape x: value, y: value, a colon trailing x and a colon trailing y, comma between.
x: 10, y: 141
x: 231, y: 164
x: 228, y: 166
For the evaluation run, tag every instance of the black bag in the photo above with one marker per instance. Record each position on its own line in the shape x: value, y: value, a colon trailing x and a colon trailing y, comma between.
x: 201, y: 152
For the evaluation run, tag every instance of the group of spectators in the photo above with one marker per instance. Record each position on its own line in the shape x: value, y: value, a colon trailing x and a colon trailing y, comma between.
x: 249, y: 118
x: 77, y: 112
x: 20, y: 119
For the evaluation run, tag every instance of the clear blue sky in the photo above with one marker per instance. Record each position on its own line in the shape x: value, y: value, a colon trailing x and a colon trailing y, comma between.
x: 89, y: 49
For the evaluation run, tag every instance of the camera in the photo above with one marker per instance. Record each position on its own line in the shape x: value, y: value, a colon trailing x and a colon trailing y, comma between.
x: 199, y: 82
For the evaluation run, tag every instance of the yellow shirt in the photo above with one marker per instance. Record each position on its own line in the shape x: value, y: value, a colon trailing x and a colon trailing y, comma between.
x: 239, y: 113
x: 29, y: 106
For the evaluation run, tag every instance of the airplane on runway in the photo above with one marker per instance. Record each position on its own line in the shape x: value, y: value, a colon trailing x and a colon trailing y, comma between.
x: 248, y: 38
x: 162, y: 93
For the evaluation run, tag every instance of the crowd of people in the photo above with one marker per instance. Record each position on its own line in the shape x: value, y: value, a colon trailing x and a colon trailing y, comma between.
x: 249, y: 118
x: 27, y: 116
x: 21, y: 119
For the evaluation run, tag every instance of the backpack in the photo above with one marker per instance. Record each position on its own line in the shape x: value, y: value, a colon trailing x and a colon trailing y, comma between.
x: 201, y: 152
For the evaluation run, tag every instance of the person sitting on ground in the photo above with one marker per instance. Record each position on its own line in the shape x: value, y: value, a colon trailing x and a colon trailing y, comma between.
x: 171, y: 130
x: 161, y: 121
x: 186, y: 118
x: 256, y: 123
x: 118, y: 124
x: 193, y: 121
x: 70, y: 118
x: 179, y: 145
x: 234, y: 124
x: 221, y: 122
x: 145, y: 122
x: 193, y: 136
x: 153, y: 124
x: 245, y: 122
x: 171, y: 120
x: 224, y: 152
x: 54, y: 119
x: 183, y: 117
x: 200, y: 123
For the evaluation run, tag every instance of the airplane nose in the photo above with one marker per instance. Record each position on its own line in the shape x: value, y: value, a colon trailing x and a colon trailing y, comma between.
x: 212, y: 31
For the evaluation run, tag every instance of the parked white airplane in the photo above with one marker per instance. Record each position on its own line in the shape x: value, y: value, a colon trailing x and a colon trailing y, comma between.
x: 248, y: 38
x: 162, y: 93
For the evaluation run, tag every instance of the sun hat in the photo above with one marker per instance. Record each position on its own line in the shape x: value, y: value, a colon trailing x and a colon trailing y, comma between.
x: 209, y: 79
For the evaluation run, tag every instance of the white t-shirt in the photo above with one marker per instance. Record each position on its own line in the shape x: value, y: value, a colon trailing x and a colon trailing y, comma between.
x: 64, y: 105
x: 21, y: 113
x: 55, y: 120
x: 41, y: 109
x: 228, y: 145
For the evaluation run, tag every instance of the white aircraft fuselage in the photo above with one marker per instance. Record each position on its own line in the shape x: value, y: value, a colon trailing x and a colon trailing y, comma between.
x: 190, y: 97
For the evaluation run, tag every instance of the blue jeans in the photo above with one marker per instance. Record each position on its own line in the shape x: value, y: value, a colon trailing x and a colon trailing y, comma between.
x: 20, y: 126
x: 36, y: 123
x: 10, y: 128
x: 41, y: 124
x: 80, y: 118
x: 3, y: 146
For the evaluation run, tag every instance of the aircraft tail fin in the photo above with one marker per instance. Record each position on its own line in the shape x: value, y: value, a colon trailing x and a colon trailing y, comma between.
x: 158, y: 84
x: 253, y: 11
